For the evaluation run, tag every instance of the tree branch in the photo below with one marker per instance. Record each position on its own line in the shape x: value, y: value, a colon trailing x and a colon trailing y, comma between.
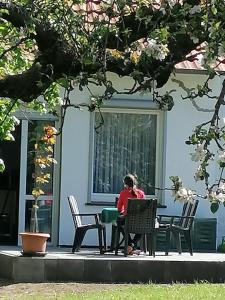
x: 58, y: 56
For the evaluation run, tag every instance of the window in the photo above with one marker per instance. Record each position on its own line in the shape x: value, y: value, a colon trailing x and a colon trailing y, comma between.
x: 127, y: 142
x: 45, y: 202
x: 33, y: 129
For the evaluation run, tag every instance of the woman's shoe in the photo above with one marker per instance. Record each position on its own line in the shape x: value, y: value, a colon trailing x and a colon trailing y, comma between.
x: 136, y: 251
x: 130, y: 250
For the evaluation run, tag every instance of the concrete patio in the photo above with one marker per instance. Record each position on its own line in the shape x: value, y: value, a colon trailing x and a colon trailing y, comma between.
x: 89, y: 266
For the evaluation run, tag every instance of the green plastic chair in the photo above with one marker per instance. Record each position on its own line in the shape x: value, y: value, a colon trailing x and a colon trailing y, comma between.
x: 175, y: 226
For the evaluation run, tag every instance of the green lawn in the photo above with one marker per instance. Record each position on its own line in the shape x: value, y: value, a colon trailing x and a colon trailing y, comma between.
x: 165, y: 292
x: 203, y: 291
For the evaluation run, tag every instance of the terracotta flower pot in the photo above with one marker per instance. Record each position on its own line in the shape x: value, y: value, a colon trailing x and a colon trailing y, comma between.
x: 34, y: 243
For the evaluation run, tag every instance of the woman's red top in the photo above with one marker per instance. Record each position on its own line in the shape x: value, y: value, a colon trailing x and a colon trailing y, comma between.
x: 125, y: 195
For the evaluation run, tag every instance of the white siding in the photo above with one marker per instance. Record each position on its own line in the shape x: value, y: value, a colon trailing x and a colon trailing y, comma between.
x: 178, y: 126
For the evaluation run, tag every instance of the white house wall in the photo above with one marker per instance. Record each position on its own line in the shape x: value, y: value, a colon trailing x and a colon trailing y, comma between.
x: 179, y: 124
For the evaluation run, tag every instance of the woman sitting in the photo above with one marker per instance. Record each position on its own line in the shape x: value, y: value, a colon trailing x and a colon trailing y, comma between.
x: 130, y: 191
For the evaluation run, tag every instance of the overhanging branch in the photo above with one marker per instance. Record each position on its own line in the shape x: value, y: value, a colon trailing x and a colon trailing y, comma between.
x: 57, y: 56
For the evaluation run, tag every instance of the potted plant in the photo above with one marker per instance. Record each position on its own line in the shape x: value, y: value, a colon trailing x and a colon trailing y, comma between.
x: 34, y: 242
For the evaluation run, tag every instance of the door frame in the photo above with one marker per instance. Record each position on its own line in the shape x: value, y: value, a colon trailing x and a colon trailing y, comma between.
x: 23, y: 175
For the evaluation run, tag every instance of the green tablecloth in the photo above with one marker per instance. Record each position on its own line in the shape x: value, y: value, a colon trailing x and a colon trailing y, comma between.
x: 109, y: 215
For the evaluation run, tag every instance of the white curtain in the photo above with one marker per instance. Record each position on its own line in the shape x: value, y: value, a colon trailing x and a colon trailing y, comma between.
x: 125, y: 143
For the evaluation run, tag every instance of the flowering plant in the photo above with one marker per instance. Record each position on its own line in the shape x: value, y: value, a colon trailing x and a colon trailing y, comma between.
x: 179, y: 192
x: 43, y: 158
x: 204, y: 138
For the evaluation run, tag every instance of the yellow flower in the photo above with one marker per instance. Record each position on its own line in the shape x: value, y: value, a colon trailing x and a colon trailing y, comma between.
x: 49, y: 149
x: 51, y: 159
x: 134, y: 57
x: 49, y: 139
x: 36, y: 192
x: 42, y: 178
x: 50, y: 130
x: 115, y: 53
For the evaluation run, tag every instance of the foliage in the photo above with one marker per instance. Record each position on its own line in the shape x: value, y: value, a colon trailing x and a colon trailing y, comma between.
x: 221, y: 247
x: 43, y: 158
x: 78, y: 45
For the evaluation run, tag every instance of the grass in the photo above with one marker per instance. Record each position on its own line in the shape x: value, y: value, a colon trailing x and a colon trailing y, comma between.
x: 198, y: 291
x: 161, y: 292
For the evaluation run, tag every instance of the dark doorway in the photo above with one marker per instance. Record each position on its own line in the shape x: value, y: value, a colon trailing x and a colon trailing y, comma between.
x: 9, y: 189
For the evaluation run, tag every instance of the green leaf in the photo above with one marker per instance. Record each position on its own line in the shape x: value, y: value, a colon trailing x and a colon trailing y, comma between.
x: 221, y: 164
x: 214, y: 10
x: 2, y: 165
x: 214, y: 207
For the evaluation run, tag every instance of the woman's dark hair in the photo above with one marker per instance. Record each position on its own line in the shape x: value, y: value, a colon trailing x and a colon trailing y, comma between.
x: 131, y: 181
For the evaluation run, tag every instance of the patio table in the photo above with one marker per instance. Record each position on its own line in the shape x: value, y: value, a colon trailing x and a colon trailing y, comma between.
x: 109, y: 215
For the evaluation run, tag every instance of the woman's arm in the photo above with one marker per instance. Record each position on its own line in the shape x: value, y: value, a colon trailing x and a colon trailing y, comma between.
x: 120, y: 203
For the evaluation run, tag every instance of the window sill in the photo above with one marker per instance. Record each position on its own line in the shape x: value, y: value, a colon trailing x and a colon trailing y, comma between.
x: 102, y: 203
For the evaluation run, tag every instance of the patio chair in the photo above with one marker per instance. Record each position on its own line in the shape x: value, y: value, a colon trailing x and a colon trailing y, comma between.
x: 140, y: 219
x: 177, y: 225
x: 81, y: 229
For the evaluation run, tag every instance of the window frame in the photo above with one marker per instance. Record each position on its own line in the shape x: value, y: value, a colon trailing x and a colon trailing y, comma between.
x: 130, y: 108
